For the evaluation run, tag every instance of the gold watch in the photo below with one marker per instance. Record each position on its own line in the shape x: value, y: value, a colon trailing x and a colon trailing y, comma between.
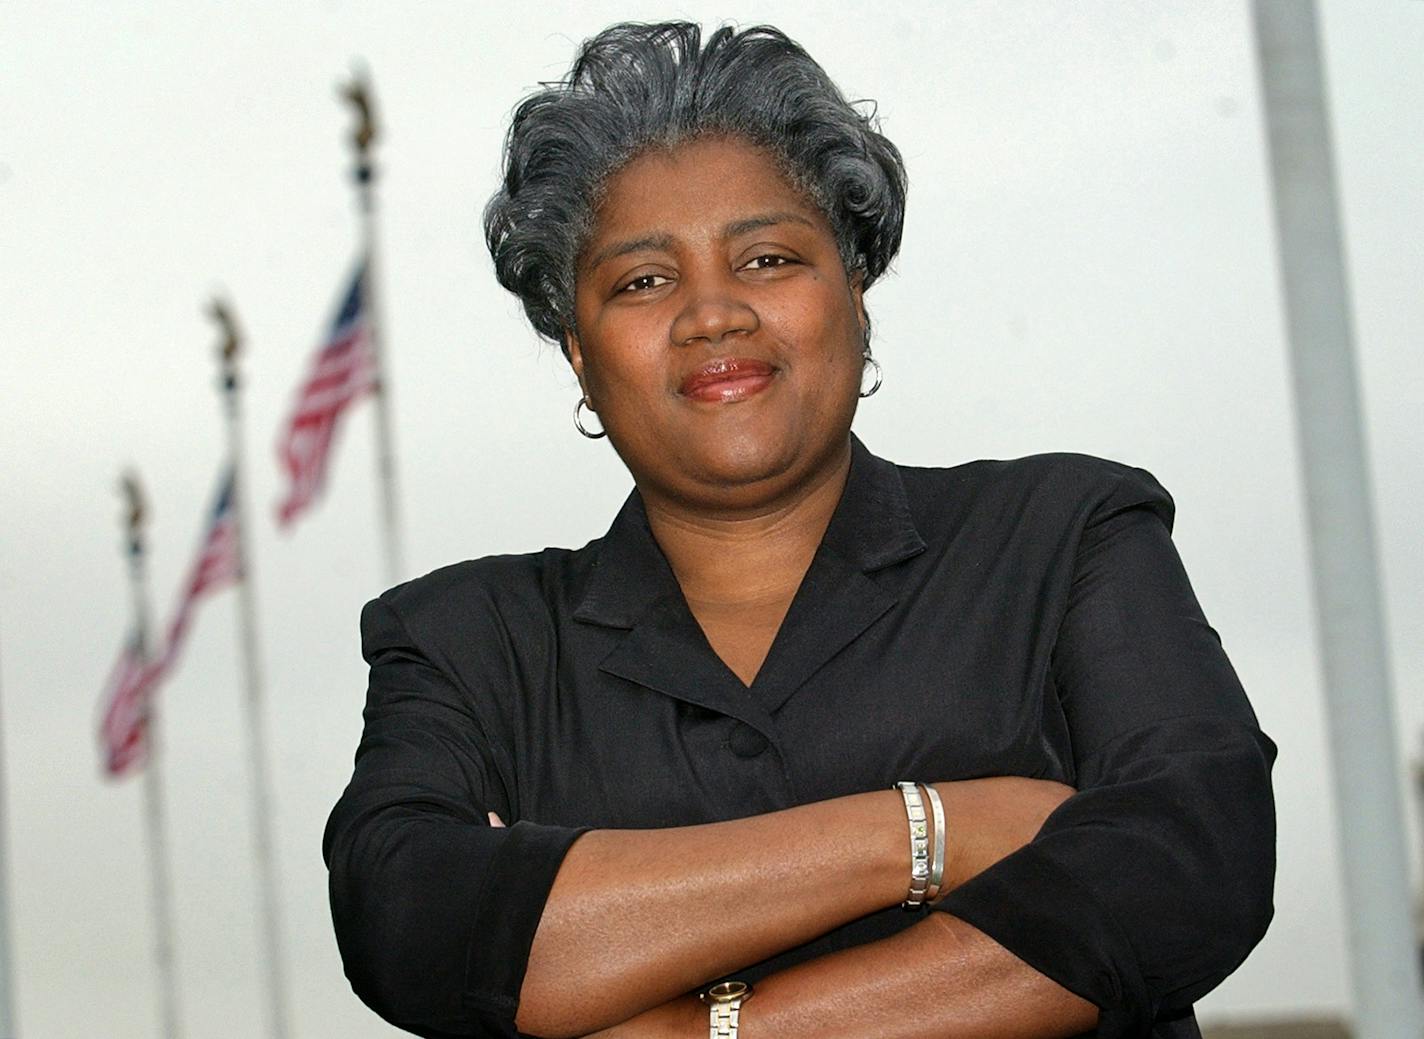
x: 724, y: 1008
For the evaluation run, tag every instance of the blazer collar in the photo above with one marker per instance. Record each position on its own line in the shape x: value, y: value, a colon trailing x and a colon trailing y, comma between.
x: 633, y: 587
x: 872, y: 528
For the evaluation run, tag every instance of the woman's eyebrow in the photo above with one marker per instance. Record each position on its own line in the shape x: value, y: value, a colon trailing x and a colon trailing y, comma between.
x: 613, y: 250
x: 663, y: 240
x: 755, y: 223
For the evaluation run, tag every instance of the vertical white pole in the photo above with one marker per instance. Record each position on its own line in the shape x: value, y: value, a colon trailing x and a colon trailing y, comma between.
x: 258, y: 768
x: 358, y: 94
x: 7, y: 991
x: 155, y: 820
x: 155, y: 826
x: 1383, y: 954
x: 385, y: 451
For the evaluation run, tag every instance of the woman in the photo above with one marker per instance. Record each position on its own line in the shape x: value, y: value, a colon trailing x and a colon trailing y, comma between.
x: 693, y: 724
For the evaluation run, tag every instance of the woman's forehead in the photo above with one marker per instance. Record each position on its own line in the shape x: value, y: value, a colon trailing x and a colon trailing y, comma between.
x: 711, y: 185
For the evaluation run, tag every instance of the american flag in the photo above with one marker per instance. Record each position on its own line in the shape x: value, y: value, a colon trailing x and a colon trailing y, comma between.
x: 343, y: 370
x: 123, y: 731
x: 219, y: 564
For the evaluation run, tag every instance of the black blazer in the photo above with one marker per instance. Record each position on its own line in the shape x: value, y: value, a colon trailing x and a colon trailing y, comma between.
x: 997, y: 618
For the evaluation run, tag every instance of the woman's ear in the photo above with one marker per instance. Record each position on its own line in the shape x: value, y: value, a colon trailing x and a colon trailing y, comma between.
x: 574, y: 353
x: 857, y: 297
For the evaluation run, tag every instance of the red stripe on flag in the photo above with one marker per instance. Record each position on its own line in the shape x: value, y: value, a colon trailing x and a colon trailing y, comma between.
x: 129, y: 692
x: 123, y: 731
x: 340, y: 373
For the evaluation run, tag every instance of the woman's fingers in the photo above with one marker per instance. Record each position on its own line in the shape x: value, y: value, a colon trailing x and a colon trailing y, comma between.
x: 495, y: 820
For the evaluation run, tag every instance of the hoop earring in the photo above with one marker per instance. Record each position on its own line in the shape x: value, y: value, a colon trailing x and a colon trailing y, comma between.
x: 879, y: 375
x: 578, y: 421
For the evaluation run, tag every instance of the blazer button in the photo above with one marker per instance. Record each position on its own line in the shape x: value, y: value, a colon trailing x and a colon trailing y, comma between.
x: 745, y: 741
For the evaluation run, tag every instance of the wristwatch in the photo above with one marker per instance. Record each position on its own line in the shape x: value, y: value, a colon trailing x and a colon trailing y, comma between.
x: 724, y: 1008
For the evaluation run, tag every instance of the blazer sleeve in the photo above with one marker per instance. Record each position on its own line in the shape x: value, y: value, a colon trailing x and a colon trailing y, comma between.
x: 434, y: 909
x: 1153, y: 882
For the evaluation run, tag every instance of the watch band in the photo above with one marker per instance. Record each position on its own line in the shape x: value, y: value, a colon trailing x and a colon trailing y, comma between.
x: 724, y: 1008
x: 919, y: 844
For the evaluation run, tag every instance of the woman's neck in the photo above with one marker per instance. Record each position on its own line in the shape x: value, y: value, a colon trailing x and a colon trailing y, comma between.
x: 732, y: 560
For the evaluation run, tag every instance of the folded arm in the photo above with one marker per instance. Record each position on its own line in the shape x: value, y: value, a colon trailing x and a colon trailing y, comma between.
x: 940, y: 979
x: 1153, y: 882
x: 435, y: 909
x: 1142, y: 891
x: 637, y: 917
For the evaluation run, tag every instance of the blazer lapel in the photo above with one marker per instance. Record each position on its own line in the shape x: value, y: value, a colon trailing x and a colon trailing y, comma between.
x: 836, y: 602
x: 663, y: 648
x: 667, y: 652
x: 838, y: 599
x: 632, y: 587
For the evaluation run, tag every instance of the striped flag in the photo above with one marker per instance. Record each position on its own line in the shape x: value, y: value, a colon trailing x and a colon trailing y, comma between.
x: 123, y: 731
x: 219, y: 564
x: 343, y: 370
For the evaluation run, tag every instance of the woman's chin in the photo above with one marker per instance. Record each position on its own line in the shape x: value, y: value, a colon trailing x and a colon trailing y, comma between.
x: 743, y: 475
x: 747, y: 459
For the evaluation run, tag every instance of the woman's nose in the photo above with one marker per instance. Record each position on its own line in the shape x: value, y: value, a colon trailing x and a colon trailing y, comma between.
x: 713, y: 309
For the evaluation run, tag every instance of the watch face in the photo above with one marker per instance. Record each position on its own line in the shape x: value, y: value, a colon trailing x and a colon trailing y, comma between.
x: 726, y: 991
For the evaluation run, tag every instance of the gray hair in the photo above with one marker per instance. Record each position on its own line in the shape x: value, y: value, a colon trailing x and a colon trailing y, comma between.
x: 636, y: 87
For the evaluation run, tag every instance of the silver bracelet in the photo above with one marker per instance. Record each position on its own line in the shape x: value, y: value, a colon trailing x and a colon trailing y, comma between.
x: 937, y: 857
x: 919, y: 844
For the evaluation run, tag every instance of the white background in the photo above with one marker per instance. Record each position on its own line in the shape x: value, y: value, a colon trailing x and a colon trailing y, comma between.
x: 1088, y: 265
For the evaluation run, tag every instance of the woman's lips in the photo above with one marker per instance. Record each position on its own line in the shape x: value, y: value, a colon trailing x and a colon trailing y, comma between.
x: 728, y: 379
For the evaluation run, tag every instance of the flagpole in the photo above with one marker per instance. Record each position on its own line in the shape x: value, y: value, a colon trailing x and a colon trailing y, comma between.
x: 256, y: 729
x: 155, y: 818
x: 7, y: 990
x: 1339, y: 513
x: 357, y: 93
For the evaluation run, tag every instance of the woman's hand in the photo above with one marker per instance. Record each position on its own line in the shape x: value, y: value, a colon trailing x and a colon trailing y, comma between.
x: 988, y: 819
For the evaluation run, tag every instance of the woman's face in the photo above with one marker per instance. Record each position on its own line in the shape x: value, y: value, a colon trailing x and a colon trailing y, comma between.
x: 718, y: 336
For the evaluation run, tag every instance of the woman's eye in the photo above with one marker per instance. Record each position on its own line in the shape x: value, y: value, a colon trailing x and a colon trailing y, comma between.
x: 767, y: 262
x: 644, y: 282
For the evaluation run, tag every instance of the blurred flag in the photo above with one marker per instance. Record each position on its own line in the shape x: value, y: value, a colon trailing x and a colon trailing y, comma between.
x: 129, y: 693
x: 343, y: 370
x: 123, y: 731
x: 218, y: 565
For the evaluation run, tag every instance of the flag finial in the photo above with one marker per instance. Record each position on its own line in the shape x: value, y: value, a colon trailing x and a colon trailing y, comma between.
x: 357, y: 93
x: 137, y: 509
x: 221, y: 313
